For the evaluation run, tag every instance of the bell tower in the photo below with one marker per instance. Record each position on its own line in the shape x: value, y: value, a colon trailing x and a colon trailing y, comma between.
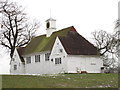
x: 50, y: 26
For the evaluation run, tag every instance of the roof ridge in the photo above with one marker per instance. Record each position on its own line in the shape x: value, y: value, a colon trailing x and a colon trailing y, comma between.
x: 36, y: 42
x: 74, y: 42
x: 56, y: 31
x: 66, y: 29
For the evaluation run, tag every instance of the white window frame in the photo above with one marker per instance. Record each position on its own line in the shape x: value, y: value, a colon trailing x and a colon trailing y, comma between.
x: 37, y: 58
x: 47, y: 56
x: 28, y: 60
x: 58, y: 61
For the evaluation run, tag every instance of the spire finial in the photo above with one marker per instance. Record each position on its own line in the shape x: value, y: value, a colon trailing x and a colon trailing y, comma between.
x: 50, y: 13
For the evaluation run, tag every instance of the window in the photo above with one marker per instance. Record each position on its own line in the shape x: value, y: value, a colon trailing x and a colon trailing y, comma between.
x: 58, y: 61
x: 37, y: 58
x: 57, y: 43
x: 60, y: 50
x: 48, y: 25
x: 15, y: 67
x: 28, y: 60
x: 47, y: 55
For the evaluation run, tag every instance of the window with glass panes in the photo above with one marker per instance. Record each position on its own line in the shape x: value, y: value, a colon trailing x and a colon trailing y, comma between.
x: 37, y: 58
x: 58, y: 61
x: 47, y: 55
x: 28, y: 60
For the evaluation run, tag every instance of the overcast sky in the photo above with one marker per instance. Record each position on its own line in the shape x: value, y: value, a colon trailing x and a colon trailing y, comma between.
x: 85, y: 15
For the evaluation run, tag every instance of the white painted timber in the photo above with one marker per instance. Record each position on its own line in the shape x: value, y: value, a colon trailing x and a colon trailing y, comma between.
x: 20, y: 69
x: 69, y: 63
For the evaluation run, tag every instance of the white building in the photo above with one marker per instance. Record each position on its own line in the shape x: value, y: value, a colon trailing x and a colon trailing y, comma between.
x: 63, y: 51
x: 118, y: 47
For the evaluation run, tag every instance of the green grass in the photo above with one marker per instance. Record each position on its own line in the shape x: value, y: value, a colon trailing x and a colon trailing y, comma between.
x: 61, y: 81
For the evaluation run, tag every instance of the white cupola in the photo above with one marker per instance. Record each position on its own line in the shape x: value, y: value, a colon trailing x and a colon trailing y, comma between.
x: 50, y: 26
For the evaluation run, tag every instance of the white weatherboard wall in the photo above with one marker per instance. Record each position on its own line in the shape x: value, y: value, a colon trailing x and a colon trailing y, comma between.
x: 42, y: 67
x: 91, y: 64
x: 75, y: 63
x: 20, y: 66
x: 52, y: 27
x: 55, y: 53
x: 69, y: 63
x: 49, y: 32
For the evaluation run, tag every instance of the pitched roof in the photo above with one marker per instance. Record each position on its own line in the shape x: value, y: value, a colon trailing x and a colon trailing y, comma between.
x: 73, y: 43
x: 43, y: 43
x: 20, y: 52
x: 50, y: 19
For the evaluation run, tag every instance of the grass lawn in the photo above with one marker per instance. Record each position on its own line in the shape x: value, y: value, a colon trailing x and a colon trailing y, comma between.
x: 61, y: 81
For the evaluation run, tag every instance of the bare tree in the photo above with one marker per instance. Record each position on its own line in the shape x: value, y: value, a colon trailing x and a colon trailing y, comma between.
x: 16, y: 30
x: 117, y: 31
x: 117, y: 23
x: 104, y: 41
x: 106, y: 44
x: 117, y: 35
